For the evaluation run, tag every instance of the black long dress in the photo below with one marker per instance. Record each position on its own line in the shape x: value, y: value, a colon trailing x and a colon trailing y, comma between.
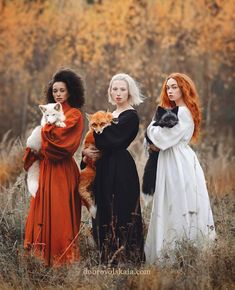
x: 118, y: 225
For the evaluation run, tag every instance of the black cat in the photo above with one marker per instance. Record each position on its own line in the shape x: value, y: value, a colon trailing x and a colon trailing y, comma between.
x: 163, y: 118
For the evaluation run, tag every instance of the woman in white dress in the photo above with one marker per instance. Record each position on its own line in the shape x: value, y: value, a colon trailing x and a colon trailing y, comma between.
x: 181, y: 206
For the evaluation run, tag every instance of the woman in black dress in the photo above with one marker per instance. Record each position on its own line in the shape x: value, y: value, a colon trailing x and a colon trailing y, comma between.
x: 117, y: 228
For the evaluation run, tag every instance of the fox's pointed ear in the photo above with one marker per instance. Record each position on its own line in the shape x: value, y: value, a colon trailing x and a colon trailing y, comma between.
x: 160, y: 111
x: 58, y: 107
x: 175, y: 110
x: 42, y: 108
x: 88, y: 116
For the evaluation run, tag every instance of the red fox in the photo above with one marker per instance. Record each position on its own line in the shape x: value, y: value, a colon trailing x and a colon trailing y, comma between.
x: 97, y: 122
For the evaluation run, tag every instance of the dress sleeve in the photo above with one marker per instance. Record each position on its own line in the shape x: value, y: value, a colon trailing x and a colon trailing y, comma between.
x: 118, y: 135
x: 165, y: 138
x: 29, y: 158
x: 59, y: 143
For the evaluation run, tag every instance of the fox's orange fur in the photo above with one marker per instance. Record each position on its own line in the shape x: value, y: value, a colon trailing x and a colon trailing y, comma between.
x: 97, y: 122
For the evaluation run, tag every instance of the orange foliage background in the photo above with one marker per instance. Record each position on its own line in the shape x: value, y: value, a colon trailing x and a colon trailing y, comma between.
x: 146, y: 38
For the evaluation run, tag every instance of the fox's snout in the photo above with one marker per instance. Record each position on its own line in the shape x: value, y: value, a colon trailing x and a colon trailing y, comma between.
x: 99, y: 130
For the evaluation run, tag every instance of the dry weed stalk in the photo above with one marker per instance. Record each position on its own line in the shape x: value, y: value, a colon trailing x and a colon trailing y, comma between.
x: 11, y: 152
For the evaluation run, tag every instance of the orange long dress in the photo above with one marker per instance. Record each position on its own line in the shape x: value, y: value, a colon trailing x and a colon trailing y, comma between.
x: 53, y: 222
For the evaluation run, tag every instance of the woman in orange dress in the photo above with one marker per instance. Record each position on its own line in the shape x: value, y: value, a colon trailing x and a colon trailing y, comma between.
x: 53, y: 222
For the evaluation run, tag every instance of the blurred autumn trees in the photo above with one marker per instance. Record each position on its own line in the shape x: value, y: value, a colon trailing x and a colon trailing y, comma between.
x: 146, y: 38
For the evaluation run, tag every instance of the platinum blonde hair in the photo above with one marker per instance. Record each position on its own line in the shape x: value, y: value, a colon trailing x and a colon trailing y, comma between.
x: 135, y: 95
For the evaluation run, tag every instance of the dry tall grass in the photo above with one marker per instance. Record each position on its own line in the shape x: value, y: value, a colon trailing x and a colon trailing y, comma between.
x: 11, y: 151
x: 192, y: 268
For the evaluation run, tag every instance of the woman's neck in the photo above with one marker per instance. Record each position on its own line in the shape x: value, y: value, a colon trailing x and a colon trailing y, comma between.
x: 122, y: 108
x: 180, y: 103
x: 65, y: 106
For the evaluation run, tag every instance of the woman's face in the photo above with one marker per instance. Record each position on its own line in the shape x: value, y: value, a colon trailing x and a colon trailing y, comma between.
x: 60, y: 92
x: 119, y: 92
x: 173, y: 91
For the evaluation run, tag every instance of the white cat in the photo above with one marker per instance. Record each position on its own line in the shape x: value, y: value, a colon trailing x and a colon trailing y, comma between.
x: 52, y: 114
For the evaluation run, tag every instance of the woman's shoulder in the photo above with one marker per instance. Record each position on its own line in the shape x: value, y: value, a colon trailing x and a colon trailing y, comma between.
x: 184, y: 110
x: 184, y: 113
x: 74, y: 112
x: 126, y: 118
x: 129, y: 115
x: 129, y: 112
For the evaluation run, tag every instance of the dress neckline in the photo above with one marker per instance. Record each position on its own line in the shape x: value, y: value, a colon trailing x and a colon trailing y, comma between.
x: 66, y: 106
x: 126, y: 111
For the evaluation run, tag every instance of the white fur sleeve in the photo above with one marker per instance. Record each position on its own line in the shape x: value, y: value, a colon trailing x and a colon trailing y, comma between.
x: 165, y: 138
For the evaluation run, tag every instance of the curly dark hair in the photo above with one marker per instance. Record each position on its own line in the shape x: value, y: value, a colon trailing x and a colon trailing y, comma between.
x: 74, y: 84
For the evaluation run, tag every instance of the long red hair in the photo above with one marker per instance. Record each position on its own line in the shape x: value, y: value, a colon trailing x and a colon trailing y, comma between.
x: 190, y: 97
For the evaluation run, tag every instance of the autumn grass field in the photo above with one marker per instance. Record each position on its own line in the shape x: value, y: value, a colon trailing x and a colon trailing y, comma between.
x: 191, y: 268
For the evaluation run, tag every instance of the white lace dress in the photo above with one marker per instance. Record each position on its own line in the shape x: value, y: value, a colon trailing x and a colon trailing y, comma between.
x: 181, y: 206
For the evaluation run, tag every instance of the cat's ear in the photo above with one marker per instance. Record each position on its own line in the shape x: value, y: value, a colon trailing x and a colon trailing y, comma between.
x: 175, y: 110
x: 160, y: 111
x: 42, y: 108
x: 58, y: 107
x: 88, y: 116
